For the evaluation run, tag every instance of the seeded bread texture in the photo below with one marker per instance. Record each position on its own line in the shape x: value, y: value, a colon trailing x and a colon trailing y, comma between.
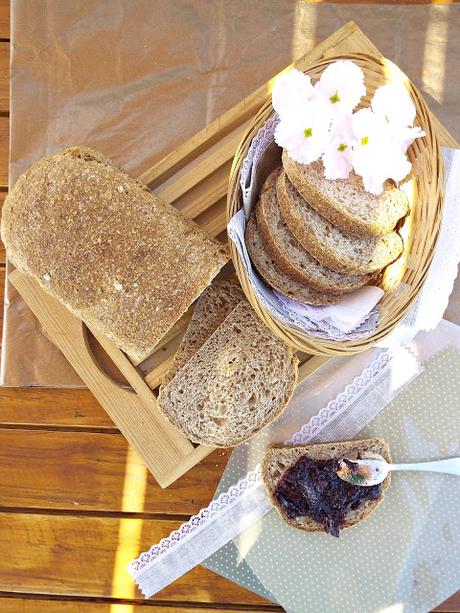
x: 239, y: 381
x: 212, y: 307
x: 345, y: 202
x: 289, y: 254
x: 330, y: 245
x: 107, y: 247
x: 275, y: 277
x: 280, y: 458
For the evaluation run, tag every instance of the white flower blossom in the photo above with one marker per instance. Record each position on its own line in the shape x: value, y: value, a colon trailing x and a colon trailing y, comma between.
x: 341, y: 86
x: 376, y: 155
x: 393, y: 104
x: 305, y: 133
x: 291, y: 93
x: 337, y: 157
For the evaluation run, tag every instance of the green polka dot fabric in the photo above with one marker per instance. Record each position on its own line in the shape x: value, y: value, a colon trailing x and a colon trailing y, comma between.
x: 406, y: 555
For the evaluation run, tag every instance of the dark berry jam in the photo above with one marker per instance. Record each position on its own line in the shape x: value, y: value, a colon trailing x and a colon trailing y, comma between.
x: 314, y: 490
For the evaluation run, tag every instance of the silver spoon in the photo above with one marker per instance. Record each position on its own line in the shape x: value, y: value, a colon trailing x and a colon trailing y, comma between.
x: 375, y: 469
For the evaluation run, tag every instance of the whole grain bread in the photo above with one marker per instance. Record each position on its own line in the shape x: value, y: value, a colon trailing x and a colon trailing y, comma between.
x: 344, y: 202
x: 275, y: 277
x: 279, y: 458
x: 239, y: 381
x: 212, y: 307
x: 107, y: 247
x: 330, y: 245
x: 289, y: 254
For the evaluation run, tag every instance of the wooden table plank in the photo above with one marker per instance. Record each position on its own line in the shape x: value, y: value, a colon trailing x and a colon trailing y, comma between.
x: 61, y: 605
x: 85, y: 471
x: 87, y: 556
x: 4, y: 76
x: 52, y: 408
x: 2, y: 247
x: 4, y: 148
x: 4, y: 18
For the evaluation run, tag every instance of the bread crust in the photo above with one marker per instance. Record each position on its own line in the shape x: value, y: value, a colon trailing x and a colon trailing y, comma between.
x: 289, y: 255
x: 342, y: 217
x: 276, y: 278
x: 108, y: 248
x: 323, y: 451
x: 327, y: 253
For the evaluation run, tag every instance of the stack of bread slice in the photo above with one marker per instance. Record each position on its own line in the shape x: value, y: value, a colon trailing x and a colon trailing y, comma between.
x: 314, y: 240
x: 231, y: 375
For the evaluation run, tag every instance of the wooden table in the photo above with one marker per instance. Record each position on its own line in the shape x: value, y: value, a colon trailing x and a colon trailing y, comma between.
x: 75, y: 500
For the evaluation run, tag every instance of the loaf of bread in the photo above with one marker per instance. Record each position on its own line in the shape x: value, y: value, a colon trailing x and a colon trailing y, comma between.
x: 289, y: 254
x: 280, y: 458
x: 333, y: 247
x: 239, y: 381
x: 212, y: 308
x: 270, y: 272
x: 102, y: 243
x: 344, y: 202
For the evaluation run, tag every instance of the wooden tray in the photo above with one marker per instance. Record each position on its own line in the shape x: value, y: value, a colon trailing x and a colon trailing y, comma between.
x: 194, y: 178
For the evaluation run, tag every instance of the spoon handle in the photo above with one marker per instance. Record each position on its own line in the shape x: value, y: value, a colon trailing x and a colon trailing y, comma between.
x: 450, y: 466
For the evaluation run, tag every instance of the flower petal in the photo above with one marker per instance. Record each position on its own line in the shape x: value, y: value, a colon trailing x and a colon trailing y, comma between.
x: 342, y: 85
x: 291, y: 92
x: 392, y: 102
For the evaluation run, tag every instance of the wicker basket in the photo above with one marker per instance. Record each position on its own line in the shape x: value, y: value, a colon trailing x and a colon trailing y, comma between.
x: 402, y: 280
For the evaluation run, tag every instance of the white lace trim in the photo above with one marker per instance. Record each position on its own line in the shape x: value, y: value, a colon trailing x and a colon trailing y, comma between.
x: 342, y: 401
x: 213, y: 510
x: 257, y: 148
x: 253, y: 478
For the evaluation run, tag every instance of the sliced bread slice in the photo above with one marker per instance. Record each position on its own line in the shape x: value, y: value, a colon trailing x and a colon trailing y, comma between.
x: 239, y: 381
x: 213, y: 306
x: 289, y: 254
x: 330, y: 245
x: 275, y: 277
x: 280, y: 458
x: 345, y: 202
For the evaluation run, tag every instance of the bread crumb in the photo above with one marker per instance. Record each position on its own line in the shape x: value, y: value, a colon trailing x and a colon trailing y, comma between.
x: 118, y: 286
x: 120, y: 189
x: 47, y: 276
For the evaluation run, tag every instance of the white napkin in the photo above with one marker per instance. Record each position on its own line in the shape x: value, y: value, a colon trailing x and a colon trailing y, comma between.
x: 345, y: 315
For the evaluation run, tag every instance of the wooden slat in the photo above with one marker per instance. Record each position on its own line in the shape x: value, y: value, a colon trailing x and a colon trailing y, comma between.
x: 206, y: 193
x: 156, y: 375
x: 63, y: 605
x: 4, y: 76
x: 2, y: 247
x: 2, y: 293
x: 4, y: 145
x: 87, y: 556
x: 85, y: 471
x: 214, y: 220
x: 202, y: 170
x: 4, y: 18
